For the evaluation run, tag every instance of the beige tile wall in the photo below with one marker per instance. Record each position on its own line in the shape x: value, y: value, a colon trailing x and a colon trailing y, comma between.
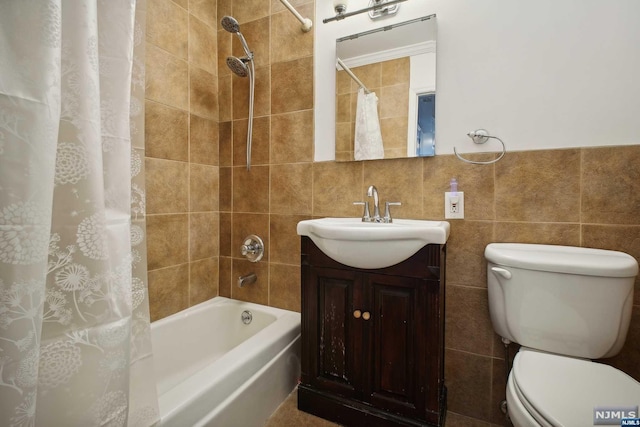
x: 389, y: 80
x: 276, y: 193
x: 202, y: 202
x: 182, y: 154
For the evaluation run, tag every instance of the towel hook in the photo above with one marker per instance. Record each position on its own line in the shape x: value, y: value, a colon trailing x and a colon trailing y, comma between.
x: 481, y: 136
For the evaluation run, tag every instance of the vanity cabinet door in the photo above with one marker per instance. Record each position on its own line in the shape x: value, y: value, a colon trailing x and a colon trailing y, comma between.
x: 333, y: 344
x: 366, y: 341
x: 372, y: 340
x: 396, y: 374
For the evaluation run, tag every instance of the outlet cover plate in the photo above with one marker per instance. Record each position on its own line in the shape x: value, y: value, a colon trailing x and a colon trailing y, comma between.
x: 454, y: 205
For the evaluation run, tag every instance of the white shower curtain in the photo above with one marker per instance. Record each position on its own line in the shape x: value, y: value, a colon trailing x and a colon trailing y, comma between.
x: 75, y: 345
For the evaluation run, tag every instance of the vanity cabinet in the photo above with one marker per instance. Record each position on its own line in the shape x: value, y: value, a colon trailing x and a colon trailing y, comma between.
x: 373, y: 340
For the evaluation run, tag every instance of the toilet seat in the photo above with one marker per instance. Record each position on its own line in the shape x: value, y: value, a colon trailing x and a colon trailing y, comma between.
x: 518, y: 414
x: 563, y: 391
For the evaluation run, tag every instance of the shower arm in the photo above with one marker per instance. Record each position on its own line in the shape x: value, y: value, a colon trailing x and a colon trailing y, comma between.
x: 306, y: 22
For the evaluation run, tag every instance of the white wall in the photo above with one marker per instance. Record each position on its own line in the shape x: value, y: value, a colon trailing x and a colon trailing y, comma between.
x: 539, y: 74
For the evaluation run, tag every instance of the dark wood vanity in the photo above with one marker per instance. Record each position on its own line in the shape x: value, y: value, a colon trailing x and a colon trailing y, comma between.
x: 373, y: 340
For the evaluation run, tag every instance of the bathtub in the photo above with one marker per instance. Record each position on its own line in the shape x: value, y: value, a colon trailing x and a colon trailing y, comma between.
x: 212, y: 369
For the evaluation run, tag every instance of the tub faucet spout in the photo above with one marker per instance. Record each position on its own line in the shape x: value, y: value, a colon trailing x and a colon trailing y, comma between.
x: 373, y: 192
x: 247, y: 280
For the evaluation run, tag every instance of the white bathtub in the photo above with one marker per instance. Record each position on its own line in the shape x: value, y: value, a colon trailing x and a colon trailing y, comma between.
x: 213, y: 370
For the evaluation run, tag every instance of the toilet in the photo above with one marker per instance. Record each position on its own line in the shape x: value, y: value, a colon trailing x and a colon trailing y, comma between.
x: 565, y: 306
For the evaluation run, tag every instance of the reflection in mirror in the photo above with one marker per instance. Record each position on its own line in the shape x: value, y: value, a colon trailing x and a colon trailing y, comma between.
x: 397, y: 63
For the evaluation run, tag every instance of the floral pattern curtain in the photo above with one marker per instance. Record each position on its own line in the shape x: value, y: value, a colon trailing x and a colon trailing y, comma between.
x: 75, y: 345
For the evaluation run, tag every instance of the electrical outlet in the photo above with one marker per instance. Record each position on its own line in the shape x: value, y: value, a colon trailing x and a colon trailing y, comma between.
x: 454, y: 205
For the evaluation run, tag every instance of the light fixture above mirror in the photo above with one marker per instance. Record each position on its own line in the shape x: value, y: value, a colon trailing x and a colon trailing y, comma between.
x: 382, y: 8
x: 377, y: 9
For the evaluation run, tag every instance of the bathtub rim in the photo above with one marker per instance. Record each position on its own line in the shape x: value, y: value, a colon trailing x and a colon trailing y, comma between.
x: 218, y: 301
x: 195, y: 397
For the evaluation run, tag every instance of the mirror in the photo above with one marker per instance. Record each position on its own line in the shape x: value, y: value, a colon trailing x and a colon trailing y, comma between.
x: 397, y: 63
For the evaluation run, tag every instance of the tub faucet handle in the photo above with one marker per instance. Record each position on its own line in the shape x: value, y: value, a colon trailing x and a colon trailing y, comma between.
x: 252, y: 248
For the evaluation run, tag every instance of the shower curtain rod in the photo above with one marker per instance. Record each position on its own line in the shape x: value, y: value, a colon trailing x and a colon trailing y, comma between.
x: 353, y: 76
x: 306, y: 22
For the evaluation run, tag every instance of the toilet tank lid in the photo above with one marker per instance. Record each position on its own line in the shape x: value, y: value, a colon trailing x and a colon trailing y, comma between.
x: 562, y: 259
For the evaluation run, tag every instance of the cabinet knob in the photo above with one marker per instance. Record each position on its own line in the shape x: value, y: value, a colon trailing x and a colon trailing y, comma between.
x: 366, y: 315
x: 357, y: 314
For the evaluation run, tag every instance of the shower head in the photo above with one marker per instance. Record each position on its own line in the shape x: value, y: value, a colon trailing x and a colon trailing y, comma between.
x: 242, y: 67
x: 230, y: 24
x: 238, y: 65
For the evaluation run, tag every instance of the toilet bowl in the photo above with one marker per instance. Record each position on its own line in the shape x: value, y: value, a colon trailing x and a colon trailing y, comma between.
x: 551, y: 390
x: 565, y: 306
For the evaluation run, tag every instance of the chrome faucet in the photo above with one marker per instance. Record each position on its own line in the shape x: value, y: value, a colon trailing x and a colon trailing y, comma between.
x: 373, y: 192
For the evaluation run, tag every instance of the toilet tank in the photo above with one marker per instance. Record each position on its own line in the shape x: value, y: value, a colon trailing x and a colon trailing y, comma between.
x: 562, y: 299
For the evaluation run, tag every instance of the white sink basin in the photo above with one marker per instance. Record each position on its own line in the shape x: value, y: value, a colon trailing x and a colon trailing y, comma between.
x: 372, y: 245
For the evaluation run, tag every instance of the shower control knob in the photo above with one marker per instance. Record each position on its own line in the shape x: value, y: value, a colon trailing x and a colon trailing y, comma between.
x: 249, y: 249
x: 252, y: 248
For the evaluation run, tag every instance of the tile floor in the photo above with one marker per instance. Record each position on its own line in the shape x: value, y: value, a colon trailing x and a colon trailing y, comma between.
x: 288, y: 415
